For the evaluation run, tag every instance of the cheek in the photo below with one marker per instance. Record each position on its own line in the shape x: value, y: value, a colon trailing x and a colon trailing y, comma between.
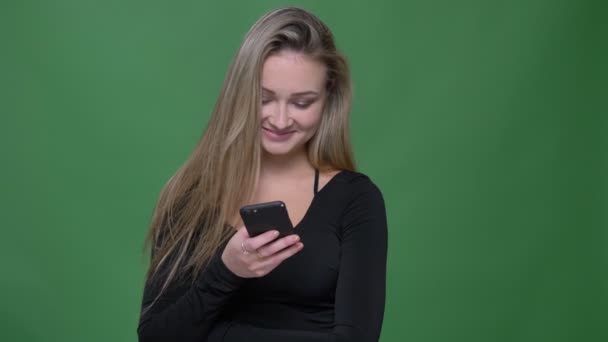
x: 311, y: 118
x: 266, y: 110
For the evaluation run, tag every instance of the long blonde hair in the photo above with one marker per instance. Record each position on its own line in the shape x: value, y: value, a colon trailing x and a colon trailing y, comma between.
x: 198, y: 205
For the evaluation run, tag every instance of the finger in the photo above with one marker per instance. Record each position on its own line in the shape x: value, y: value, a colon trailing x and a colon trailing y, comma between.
x: 252, y: 244
x: 278, y: 245
x: 274, y: 260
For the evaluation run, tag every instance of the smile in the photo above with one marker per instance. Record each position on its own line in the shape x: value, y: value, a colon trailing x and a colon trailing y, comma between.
x: 277, y: 136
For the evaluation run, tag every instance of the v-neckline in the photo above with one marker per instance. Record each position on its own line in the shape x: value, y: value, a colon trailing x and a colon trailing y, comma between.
x: 314, y: 199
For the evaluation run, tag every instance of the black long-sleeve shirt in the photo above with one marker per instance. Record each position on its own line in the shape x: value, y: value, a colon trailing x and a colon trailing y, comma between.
x: 332, y: 290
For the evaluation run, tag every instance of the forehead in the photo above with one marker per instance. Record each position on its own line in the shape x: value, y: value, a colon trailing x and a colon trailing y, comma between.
x: 291, y: 72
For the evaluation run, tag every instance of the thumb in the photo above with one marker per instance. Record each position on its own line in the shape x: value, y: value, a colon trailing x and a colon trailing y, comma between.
x: 242, y: 233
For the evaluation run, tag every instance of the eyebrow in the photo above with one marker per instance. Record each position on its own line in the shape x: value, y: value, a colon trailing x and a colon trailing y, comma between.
x: 302, y: 93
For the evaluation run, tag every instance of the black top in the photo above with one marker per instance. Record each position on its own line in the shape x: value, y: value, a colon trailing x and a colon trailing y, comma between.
x: 332, y: 290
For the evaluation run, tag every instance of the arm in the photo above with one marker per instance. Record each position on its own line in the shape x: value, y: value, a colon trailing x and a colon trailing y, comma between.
x: 184, y: 312
x: 361, y: 285
x: 360, y: 291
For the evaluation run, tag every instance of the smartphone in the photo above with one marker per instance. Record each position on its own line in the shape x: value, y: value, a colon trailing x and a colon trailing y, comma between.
x: 262, y: 217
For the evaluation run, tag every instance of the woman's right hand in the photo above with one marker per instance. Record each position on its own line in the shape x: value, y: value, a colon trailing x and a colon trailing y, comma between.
x: 253, y: 257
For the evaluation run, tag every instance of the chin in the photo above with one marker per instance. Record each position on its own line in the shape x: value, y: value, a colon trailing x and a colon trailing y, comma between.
x: 278, y: 149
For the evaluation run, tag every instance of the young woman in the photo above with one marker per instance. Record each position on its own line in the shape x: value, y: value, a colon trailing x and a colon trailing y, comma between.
x: 279, y: 131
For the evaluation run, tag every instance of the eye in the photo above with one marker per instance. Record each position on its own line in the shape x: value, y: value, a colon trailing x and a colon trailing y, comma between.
x: 302, y: 105
x: 265, y: 101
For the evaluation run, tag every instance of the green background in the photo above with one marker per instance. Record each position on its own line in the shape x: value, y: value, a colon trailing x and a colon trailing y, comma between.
x: 484, y: 123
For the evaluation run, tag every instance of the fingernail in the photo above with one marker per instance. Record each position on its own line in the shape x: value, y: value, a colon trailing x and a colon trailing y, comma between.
x: 296, y: 238
x: 275, y: 233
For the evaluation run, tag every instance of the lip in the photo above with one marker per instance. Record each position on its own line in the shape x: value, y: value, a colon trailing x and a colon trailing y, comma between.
x: 277, y: 136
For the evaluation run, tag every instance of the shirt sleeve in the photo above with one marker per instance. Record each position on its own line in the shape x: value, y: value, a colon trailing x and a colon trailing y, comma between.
x: 185, y: 311
x: 361, y: 286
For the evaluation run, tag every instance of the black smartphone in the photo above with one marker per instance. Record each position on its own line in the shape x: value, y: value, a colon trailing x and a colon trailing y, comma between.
x: 262, y: 217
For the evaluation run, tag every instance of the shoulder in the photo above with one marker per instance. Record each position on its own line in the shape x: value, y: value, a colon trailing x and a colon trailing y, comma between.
x: 363, y: 204
x: 355, y: 181
x: 358, y: 189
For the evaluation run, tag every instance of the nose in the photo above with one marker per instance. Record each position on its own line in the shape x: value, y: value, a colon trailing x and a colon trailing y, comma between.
x: 279, y: 116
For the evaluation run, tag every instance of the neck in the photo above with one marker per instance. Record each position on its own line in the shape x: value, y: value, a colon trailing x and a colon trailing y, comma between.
x: 294, y: 164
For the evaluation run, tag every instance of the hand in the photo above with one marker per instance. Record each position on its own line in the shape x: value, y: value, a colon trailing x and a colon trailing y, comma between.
x: 262, y: 253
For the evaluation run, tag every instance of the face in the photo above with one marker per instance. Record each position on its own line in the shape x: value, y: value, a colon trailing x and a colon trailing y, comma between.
x: 293, y: 95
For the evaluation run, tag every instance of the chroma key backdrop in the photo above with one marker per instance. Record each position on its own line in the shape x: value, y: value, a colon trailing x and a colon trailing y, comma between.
x: 484, y: 123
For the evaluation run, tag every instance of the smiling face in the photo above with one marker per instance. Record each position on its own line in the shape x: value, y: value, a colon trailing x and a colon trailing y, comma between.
x: 293, y: 95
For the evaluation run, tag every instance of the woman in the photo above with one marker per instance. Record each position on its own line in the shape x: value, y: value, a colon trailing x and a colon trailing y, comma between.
x: 279, y: 131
